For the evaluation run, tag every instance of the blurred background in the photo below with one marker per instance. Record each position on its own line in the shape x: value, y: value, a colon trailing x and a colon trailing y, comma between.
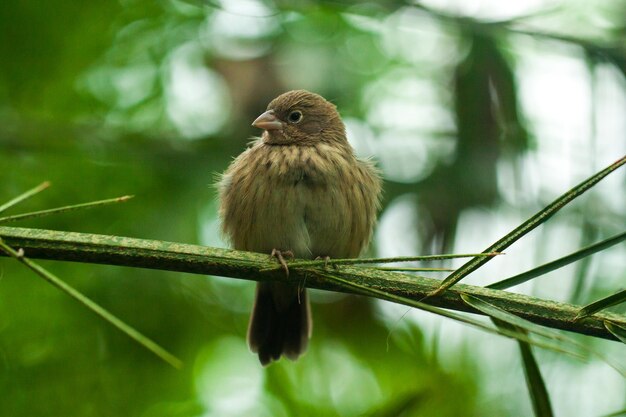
x: 479, y: 113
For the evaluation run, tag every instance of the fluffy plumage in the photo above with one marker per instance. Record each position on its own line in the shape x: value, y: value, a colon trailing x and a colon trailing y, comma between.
x: 298, y: 188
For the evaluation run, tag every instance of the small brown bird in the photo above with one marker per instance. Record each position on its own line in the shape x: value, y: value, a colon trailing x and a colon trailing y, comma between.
x: 298, y: 190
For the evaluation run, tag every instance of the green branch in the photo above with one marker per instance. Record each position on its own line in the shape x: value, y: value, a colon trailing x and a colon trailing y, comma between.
x: 115, y: 250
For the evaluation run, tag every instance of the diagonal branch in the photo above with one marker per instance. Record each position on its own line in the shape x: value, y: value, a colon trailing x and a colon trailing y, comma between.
x: 115, y: 250
x: 530, y: 224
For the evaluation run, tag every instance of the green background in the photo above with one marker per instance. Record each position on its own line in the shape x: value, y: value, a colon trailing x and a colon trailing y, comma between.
x: 478, y: 114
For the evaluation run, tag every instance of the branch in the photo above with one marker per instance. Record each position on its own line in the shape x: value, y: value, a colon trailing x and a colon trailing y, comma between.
x: 153, y: 254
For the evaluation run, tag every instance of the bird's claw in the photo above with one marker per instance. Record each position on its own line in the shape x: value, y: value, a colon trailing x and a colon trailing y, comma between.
x: 326, y: 261
x: 325, y: 258
x: 280, y: 256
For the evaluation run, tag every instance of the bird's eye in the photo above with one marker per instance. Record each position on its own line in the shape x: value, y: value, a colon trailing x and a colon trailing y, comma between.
x: 295, y: 116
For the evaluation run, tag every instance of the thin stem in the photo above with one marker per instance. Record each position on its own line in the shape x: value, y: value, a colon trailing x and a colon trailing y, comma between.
x: 359, y: 261
x: 409, y: 269
x: 559, y: 263
x: 24, y: 196
x: 48, y: 212
x: 530, y: 224
x: 90, y: 304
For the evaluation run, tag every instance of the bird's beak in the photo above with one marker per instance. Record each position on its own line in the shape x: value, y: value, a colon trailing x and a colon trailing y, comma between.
x: 268, y: 121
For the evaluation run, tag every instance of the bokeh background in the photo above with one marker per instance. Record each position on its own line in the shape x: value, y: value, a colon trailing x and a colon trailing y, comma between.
x: 479, y: 113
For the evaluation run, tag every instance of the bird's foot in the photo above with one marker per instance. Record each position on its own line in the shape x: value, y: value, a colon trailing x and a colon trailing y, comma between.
x: 280, y: 256
x: 325, y: 258
x: 326, y: 261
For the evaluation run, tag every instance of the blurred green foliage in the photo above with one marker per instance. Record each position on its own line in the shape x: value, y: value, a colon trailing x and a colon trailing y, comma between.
x: 153, y: 98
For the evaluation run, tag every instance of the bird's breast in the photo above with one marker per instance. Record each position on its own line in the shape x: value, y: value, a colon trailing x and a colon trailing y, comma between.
x: 297, y: 198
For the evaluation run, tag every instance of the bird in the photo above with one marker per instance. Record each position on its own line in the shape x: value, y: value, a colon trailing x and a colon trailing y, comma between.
x: 299, y: 191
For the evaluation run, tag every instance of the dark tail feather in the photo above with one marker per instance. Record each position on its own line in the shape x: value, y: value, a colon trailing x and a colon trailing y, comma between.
x: 280, y: 323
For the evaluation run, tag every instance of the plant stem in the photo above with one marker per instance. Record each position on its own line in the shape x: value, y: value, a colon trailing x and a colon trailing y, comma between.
x: 363, y: 261
x: 90, y: 304
x: 48, y: 212
x: 538, y: 218
x: 24, y: 196
x: 116, y: 250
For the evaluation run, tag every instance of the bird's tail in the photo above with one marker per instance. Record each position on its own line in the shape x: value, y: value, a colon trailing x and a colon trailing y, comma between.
x: 280, y: 323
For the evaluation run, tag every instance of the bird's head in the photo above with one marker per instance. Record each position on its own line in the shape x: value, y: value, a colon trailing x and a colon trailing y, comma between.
x: 301, y: 117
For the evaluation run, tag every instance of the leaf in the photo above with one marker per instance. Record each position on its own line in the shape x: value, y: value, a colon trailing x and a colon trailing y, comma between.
x: 616, y: 414
x: 402, y: 404
x: 87, y: 302
x: 445, y: 313
x: 559, y: 263
x: 601, y: 304
x: 537, y: 390
x: 616, y: 330
x: 498, y: 313
x: 534, y: 381
x: 537, y: 219
x: 502, y: 315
